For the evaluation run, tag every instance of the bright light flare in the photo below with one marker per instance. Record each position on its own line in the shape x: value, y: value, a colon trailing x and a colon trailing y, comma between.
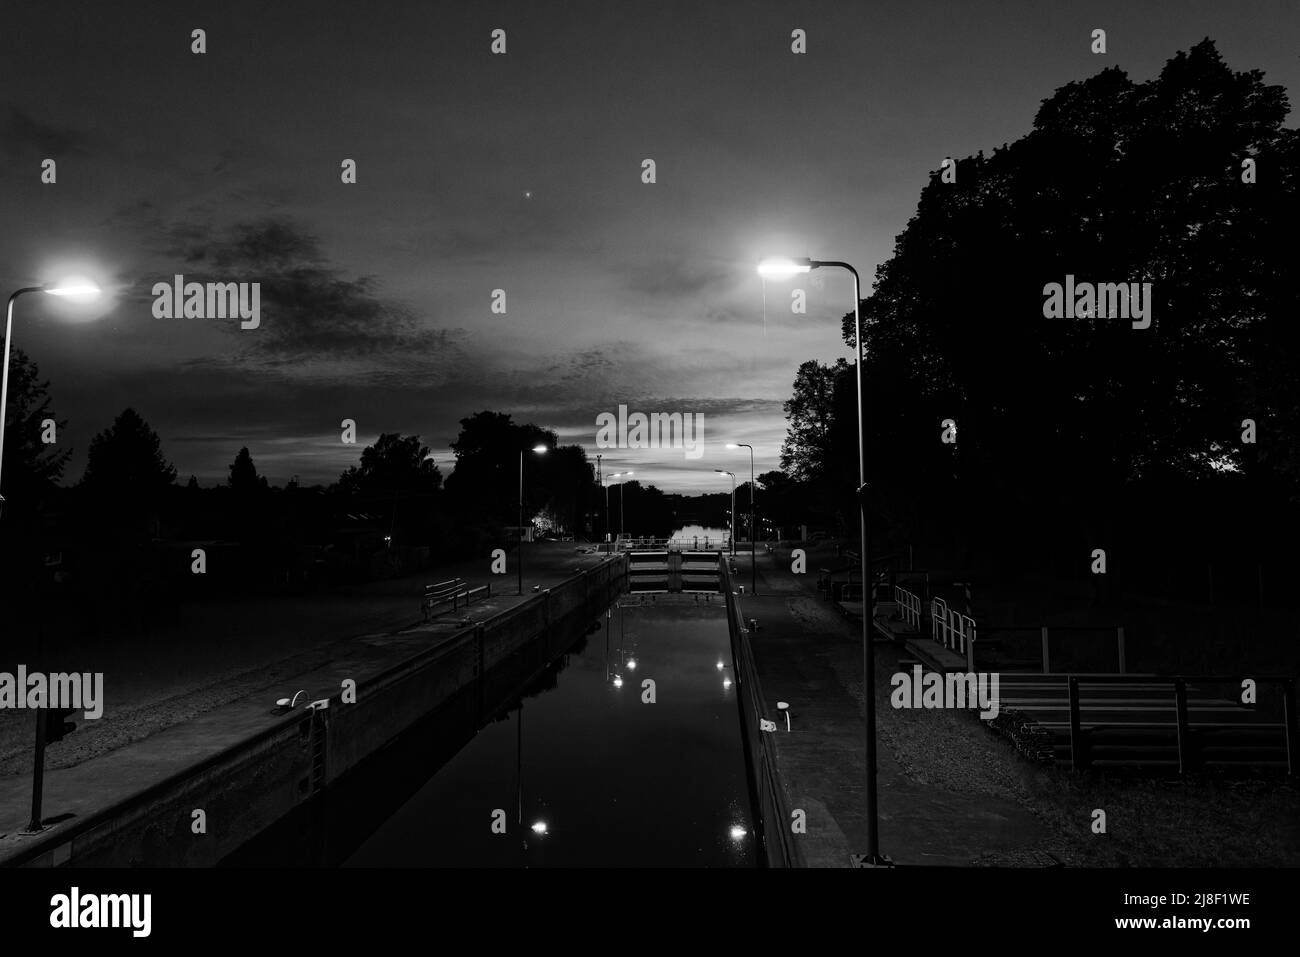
x: 75, y: 288
x: 737, y: 832
x: 631, y: 664
x: 779, y: 267
x: 539, y: 449
x: 539, y: 827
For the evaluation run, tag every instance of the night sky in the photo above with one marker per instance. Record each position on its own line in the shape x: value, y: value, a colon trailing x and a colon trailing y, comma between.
x: 520, y: 172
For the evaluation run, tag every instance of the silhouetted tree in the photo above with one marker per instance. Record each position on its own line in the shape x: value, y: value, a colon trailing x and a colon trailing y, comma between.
x: 31, y: 469
x: 126, y: 461
x: 806, y: 452
x: 1059, y: 420
x: 243, y: 473
x: 394, y: 465
x: 31, y: 466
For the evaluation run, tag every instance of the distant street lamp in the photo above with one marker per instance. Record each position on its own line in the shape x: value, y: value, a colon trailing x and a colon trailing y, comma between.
x: 782, y: 268
x: 753, y: 547
x: 733, y: 508
x: 77, y: 289
x: 540, y: 450
x: 620, y: 499
x: 600, y: 480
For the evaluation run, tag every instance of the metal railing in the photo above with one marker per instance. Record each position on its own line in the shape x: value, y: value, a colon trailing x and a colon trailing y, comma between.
x: 1188, y: 758
x: 909, y: 606
x: 953, y: 630
x: 994, y: 634
x: 695, y: 543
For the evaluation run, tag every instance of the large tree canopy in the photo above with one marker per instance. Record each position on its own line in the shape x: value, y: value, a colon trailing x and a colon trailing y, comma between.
x: 395, y: 465
x: 486, y: 479
x: 1117, y: 182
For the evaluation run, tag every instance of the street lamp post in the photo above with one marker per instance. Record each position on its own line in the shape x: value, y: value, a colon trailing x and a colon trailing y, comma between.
x: 733, y: 508
x: 785, y: 269
x: 620, y: 499
x: 539, y: 449
x: 600, y: 480
x: 606, y: 484
x: 753, y: 548
x: 78, y: 288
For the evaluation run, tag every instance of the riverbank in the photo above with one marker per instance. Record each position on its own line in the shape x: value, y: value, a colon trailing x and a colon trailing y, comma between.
x: 950, y: 791
x: 220, y: 651
x: 78, y: 790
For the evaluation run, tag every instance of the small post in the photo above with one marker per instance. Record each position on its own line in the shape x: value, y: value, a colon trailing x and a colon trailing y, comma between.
x: 1078, y: 760
x: 478, y: 647
x: 1119, y: 640
x: 38, y: 772
x: 1292, y: 726
x: 1184, y: 729
x: 1047, y: 661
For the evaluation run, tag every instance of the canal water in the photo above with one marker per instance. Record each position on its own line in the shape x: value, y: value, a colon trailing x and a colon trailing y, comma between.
x: 589, y: 765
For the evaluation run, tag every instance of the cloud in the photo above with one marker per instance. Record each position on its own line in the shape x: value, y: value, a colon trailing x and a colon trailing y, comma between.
x: 21, y: 132
x: 676, y: 276
x: 311, y: 311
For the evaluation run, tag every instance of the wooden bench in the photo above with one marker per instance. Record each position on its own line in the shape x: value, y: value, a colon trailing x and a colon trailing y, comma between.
x: 452, y: 591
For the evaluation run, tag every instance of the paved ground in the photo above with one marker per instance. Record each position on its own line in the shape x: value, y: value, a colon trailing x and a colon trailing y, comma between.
x: 952, y: 800
x: 164, y: 726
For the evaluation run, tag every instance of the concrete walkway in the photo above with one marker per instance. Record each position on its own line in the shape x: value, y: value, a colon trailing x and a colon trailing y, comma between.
x: 87, y: 787
x: 809, y: 653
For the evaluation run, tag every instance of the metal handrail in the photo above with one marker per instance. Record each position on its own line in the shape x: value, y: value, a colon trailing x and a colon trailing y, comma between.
x: 953, y: 630
x: 1044, y: 630
x: 1079, y: 758
x: 910, y: 605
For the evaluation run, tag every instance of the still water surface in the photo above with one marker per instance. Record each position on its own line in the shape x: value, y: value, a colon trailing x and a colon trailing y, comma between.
x: 588, y: 772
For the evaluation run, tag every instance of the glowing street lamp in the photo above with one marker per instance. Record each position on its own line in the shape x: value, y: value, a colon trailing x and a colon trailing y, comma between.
x: 540, y: 450
x: 76, y: 290
x: 781, y: 268
x: 753, y: 546
x: 733, y: 509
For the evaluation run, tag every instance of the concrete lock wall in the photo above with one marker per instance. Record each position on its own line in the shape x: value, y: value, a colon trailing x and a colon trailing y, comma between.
x: 249, y: 786
x: 766, y: 789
